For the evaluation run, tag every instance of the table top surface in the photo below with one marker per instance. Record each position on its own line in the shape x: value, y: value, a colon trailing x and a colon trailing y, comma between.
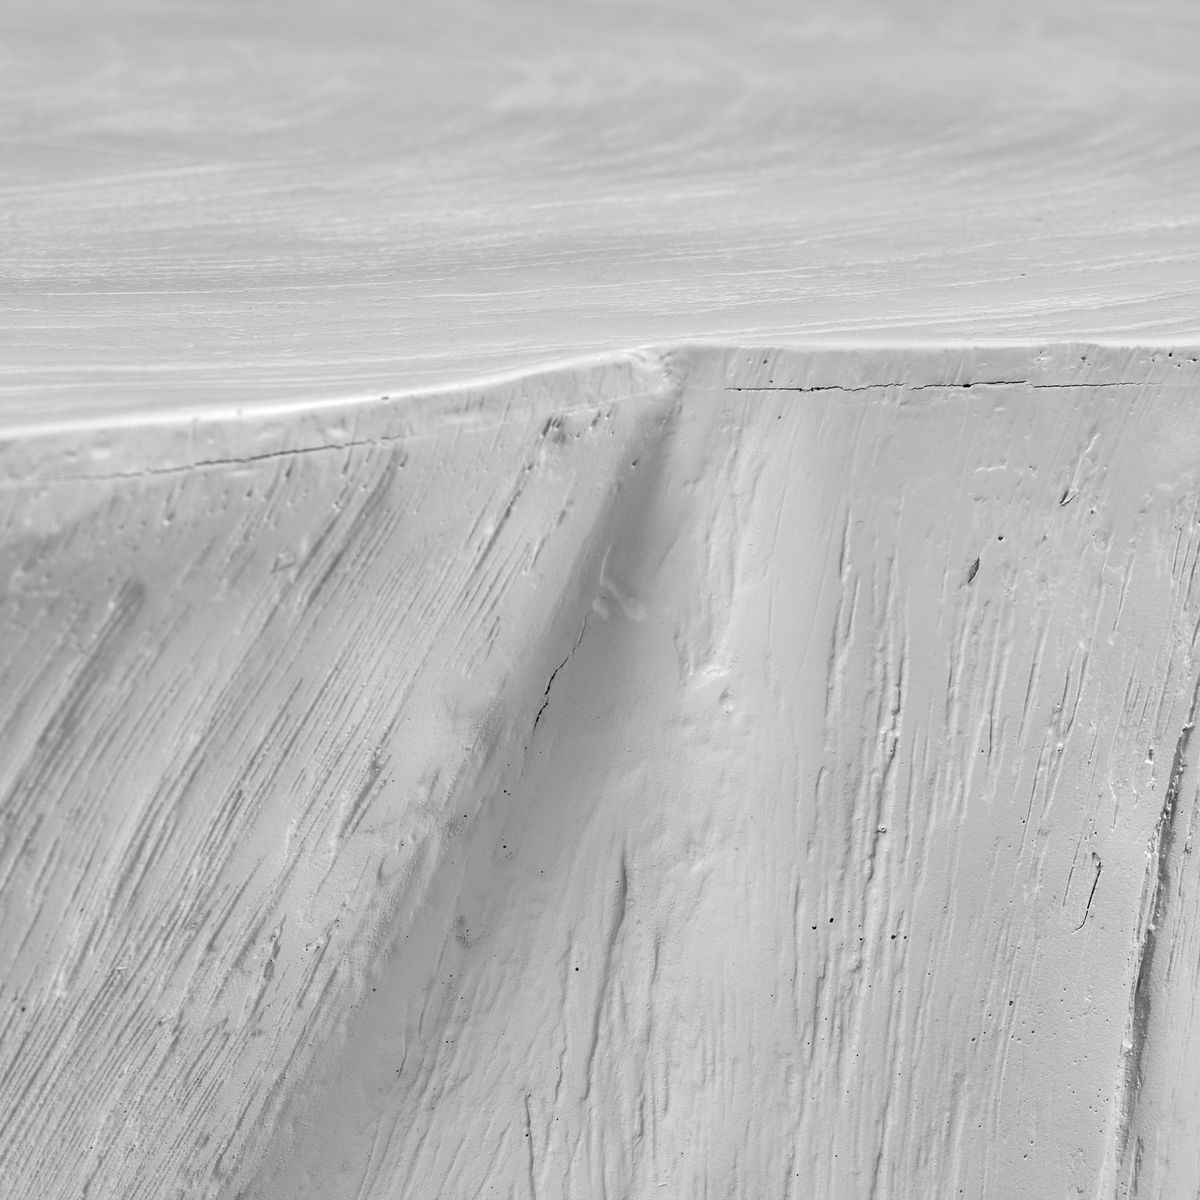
x: 216, y: 202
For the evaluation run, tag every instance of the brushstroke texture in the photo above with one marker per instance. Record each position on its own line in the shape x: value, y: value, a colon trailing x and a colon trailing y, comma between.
x: 687, y: 775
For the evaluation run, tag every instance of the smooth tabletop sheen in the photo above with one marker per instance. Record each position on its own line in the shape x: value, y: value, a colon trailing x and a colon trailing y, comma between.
x: 261, y: 202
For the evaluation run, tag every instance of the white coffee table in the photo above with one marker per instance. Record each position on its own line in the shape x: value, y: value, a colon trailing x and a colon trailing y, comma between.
x: 599, y: 600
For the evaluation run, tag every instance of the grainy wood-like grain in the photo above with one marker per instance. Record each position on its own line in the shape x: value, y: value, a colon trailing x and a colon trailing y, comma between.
x: 732, y: 773
x: 867, y: 781
x: 242, y: 706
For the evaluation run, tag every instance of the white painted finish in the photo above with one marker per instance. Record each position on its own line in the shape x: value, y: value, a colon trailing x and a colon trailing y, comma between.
x: 435, y: 795
x: 243, y: 706
x: 850, y: 853
x: 235, y: 202
x: 327, y: 767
